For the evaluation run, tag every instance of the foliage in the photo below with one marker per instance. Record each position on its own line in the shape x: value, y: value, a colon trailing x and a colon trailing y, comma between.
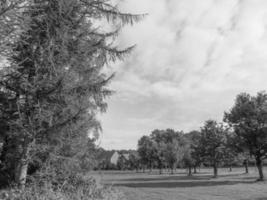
x: 212, y: 143
x: 171, y: 152
x: 163, y: 147
x: 187, y: 159
x: 53, y: 84
x: 75, y: 188
x: 231, y: 149
x: 122, y: 163
x: 134, y: 160
x: 147, y: 150
x: 193, y: 155
x: 248, y: 118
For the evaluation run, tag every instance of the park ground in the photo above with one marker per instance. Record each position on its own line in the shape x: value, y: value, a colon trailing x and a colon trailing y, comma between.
x: 233, y: 185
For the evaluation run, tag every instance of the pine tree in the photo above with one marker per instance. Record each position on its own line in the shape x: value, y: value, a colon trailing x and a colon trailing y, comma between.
x: 55, y: 77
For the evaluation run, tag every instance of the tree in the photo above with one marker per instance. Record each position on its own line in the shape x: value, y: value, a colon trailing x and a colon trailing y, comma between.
x: 172, y: 146
x: 160, y: 158
x: 169, y: 143
x: 212, y: 143
x: 122, y: 163
x: 235, y: 151
x: 134, y: 161
x: 165, y: 147
x: 147, y: 151
x: 248, y: 117
x: 187, y: 159
x: 10, y: 23
x: 195, y: 155
x: 231, y: 149
x: 172, y: 151
x: 244, y: 158
x: 53, y: 85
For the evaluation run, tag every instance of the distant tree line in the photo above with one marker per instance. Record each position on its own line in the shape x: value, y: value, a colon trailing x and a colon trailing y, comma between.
x: 241, y: 137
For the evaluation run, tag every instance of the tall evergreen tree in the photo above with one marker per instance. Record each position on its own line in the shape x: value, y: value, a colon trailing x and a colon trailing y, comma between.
x: 54, y: 84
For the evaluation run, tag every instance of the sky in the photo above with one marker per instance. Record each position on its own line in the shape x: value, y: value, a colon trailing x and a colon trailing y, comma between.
x: 191, y: 60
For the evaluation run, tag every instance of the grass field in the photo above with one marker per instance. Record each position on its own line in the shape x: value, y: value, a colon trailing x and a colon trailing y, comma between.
x: 152, y: 186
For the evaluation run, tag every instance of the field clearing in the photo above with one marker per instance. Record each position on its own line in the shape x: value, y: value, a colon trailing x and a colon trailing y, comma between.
x: 233, y: 185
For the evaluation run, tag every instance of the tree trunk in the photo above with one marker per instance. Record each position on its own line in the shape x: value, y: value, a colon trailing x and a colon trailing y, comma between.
x: 21, y: 173
x: 189, y: 171
x: 215, y: 171
x: 195, y: 169
x: 160, y: 167
x: 230, y: 168
x: 22, y: 168
x: 246, y: 166
x: 172, y: 167
x: 259, y: 166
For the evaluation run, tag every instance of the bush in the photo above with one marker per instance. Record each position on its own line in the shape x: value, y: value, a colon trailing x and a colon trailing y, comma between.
x: 74, y: 188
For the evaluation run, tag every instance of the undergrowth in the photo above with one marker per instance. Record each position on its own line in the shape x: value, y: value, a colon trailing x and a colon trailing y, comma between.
x: 78, y: 187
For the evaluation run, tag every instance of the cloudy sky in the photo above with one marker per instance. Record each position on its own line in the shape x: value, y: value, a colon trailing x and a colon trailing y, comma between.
x: 192, y: 58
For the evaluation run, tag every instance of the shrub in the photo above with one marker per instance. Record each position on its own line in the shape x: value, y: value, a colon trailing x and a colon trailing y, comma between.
x: 74, y: 188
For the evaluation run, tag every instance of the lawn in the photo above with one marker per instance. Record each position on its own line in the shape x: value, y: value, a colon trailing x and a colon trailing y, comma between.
x: 152, y: 186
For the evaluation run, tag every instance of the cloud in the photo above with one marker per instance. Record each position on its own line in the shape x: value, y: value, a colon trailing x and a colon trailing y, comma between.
x: 192, y: 58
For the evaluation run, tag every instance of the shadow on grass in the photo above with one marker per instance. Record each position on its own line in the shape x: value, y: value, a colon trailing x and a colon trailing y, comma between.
x: 261, y: 198
x: 167, y: 178
x: 169, y: 173
x: 179, y: 178
x: 179, y: 184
